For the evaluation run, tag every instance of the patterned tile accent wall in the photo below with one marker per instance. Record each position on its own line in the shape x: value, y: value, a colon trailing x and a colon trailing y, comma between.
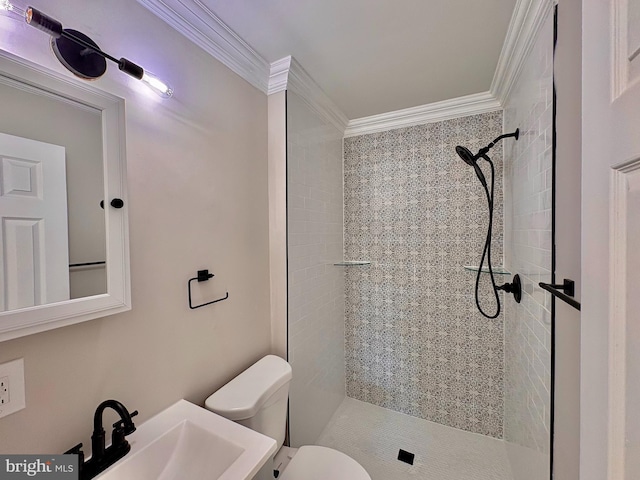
x: 415, y: 342
x: 528, y: 169
x: 315, y: 286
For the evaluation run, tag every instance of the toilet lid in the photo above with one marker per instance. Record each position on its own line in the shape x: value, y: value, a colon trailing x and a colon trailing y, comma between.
x: 322, y: 463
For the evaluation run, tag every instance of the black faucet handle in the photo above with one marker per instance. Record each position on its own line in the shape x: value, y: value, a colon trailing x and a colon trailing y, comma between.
x: 121, y: 423
x: 123, y: 427
x: 77, y: 450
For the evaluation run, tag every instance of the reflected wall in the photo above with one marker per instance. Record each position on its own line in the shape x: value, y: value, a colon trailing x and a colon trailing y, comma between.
x: 78, y: 129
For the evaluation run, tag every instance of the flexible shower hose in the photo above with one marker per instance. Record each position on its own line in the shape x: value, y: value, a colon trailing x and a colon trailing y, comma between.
x: 486, y: 252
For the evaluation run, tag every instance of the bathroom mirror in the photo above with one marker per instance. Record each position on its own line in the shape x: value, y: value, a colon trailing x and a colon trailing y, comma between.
x: 64, y: 258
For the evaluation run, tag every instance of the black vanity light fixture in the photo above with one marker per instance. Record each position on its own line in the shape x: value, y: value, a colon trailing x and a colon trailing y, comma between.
x: 81, y: 55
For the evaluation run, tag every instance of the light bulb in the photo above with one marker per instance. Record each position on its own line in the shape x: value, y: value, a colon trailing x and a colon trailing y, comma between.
x: 9, y: 7
x: 154, y: 83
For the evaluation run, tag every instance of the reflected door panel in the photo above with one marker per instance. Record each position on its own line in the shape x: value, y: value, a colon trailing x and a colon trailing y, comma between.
x: 34, y: 242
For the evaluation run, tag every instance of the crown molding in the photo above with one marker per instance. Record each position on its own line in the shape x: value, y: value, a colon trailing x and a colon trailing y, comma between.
x: 279, y: 75
x: 198, y: 23
x: 288, y: 74
x: 527, y: 20
x: 432, y: 112
x: 203, y: 27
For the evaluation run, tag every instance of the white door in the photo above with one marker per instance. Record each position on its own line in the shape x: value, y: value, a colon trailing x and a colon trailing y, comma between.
x: 610, y: 335
x: 34, y: 264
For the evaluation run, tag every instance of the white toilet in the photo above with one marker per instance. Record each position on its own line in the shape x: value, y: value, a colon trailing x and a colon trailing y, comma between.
x: 257, y: 398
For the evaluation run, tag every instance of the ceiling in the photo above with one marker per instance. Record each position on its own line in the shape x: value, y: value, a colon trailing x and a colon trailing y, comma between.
x: 378, y: 56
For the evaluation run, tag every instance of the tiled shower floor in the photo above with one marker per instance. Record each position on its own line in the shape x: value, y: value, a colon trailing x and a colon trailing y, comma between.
x: 373, y: 435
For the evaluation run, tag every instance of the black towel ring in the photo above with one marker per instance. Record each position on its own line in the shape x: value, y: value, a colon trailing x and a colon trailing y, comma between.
x: 203, y: 276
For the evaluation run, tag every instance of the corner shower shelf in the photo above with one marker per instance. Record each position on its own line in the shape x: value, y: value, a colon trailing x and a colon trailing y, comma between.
x: 352, y: 263
x: 496, y: 270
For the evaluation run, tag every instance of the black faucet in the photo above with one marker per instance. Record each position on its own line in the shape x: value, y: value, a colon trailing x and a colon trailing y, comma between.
x: 101, y: 457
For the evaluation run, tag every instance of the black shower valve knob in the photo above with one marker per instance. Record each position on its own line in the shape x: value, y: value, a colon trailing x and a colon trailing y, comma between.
x: 515, y: 288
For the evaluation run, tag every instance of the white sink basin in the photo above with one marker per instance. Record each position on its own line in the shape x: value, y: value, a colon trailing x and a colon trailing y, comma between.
x: 187, y: 442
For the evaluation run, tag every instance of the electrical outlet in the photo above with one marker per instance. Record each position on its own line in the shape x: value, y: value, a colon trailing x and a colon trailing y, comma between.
x: 4, y: 390
x: 12, y: 396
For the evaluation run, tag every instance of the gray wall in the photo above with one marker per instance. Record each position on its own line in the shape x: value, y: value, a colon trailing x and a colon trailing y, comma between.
x: 567, y: 70
x: 415, y: 341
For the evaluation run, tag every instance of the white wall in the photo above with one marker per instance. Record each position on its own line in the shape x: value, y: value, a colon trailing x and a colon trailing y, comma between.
x: 197, y: 167
x: 277, y: 113
x: 528, y: 187
x: 315, y: 285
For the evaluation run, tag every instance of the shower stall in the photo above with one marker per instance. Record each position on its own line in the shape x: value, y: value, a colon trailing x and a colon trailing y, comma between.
x: 384, y: 234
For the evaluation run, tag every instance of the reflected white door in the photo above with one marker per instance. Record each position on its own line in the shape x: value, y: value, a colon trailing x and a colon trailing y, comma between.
x: 34, y: 264
x: 610, y: 338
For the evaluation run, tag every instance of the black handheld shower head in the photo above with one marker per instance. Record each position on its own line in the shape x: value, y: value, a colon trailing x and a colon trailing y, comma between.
x: 471, y: 159
x: 466, y: 155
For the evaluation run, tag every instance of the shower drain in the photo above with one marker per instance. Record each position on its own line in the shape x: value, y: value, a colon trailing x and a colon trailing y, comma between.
x: 406, y: 457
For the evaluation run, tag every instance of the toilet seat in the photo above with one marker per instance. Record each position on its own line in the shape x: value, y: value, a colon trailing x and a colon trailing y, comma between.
x: 321, y: 463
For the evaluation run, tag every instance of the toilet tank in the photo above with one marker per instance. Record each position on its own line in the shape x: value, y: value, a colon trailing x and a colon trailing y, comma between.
x: 257, y: 398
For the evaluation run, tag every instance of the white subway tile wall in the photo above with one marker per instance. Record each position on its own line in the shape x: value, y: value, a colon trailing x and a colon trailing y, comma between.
x: 528, y: 193
x: 315, y: 286
x: 415, y: 342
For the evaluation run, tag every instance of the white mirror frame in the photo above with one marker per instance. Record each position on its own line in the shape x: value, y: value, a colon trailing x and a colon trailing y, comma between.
x: 28, y: 76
